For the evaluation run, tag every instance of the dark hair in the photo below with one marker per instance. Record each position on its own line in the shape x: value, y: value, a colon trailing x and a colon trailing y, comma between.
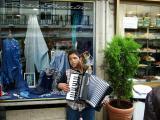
x: 72, y: 51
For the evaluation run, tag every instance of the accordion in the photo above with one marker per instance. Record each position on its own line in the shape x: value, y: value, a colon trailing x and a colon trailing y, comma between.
x: 89, y: 88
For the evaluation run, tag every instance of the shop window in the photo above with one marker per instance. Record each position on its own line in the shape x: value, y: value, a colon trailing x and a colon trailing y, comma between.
x: 39, y: 29
x: 146, y: 33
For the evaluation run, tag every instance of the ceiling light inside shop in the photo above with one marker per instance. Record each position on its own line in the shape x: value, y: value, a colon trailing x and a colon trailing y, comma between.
x: 130, y: 12
x: 158, y: 14
x: 18, y: 15
x: 35, y: 9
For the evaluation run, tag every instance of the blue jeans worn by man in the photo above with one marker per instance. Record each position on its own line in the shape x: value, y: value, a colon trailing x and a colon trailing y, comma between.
x: 87, y: 114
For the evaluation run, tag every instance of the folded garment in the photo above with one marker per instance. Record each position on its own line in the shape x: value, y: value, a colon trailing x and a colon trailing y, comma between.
x: 5, y: 97
x: 24, y: 94
x: 39, y: 90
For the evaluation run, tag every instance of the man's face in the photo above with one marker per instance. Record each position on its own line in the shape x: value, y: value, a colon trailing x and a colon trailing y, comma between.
x: 74, y: 60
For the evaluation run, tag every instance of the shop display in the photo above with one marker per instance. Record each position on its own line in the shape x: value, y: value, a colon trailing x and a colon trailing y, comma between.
x: 11, y: 68
x: 36, y: 50
x: 59, y: 61
x: 140, y: 22
x: 47, y: 81
x: 153, y: 22
x: 158, y: 22
x: 30, y: 79
x: 44, y: 36
x: 146, y: 21
x: 149, y: 53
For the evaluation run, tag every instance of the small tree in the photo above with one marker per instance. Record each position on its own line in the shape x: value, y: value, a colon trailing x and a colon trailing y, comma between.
x: 122, y: 59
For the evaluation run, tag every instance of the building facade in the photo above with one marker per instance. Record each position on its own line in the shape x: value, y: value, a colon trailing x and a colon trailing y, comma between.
x: 61, y: 25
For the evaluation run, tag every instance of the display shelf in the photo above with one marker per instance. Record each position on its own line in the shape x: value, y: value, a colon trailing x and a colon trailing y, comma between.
x: 144, y: 81
x: 149, y: 53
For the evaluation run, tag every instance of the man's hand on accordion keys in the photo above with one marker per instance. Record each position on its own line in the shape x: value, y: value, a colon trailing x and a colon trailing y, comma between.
x: 64, y: 87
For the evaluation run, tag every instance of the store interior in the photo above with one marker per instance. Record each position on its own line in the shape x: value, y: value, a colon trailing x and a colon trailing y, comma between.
x: 146, y: 33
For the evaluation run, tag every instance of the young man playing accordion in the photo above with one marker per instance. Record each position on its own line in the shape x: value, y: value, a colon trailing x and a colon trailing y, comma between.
x: 76, y: 110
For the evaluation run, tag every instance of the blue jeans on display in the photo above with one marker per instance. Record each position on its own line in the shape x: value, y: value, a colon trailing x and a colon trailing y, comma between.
x: 87, y: 114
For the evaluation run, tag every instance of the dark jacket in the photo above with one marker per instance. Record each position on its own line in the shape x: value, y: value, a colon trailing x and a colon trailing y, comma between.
x: 152, y: 105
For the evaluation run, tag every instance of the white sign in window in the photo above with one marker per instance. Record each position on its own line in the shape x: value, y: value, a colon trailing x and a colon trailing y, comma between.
x: 130, y: 22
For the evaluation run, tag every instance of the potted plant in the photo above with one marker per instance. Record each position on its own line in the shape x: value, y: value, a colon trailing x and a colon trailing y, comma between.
x: 121, y: 59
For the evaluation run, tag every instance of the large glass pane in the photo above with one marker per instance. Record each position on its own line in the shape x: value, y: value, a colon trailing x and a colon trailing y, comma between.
x: 48, y: 25
x: 147, y: 35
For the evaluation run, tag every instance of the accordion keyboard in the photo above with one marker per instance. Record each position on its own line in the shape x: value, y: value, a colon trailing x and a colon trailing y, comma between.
x: 73, y: 87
